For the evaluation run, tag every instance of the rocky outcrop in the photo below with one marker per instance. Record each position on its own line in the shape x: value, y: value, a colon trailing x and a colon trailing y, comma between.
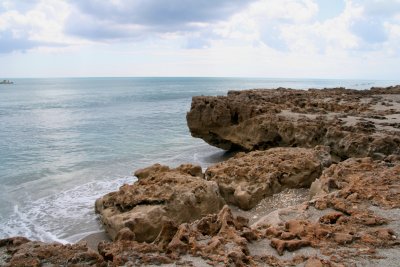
x: 353, y: 123
x: 246, y: 179
x: 160, y: 196
x: 19, y: 251
x: 360, y: 180
x: 214, y: 239
x: 178, y: 217
x: 352, y: 218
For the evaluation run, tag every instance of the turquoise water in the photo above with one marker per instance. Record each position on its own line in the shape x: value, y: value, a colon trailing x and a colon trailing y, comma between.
x: 65, y: 142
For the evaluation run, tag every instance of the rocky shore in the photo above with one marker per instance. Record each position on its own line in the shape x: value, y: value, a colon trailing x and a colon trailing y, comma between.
x: 316, y: 182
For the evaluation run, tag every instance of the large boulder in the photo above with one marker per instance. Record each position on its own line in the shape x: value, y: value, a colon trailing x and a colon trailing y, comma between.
x: 354, y: 123
x: 161, y: 195
x: 246, y: 179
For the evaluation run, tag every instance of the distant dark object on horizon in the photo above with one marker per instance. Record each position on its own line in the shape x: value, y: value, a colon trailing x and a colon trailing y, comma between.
x: 6, y: 82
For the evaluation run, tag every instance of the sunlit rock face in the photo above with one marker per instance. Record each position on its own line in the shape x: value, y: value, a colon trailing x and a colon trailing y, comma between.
x: 246, y: 179
x: 353, y: 123
x: 161, y: 195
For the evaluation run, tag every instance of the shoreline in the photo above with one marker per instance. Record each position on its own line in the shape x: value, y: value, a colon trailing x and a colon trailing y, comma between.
x: 341, y: 144
x: 94, y: 239
x: 284, y: 199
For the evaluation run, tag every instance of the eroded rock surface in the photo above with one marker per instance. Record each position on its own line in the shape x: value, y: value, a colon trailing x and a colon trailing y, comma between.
x: 246, y: 179
x: 358, y: 180
x: 353, y: 218
x: 177, y: 217
x: 215, y: 239
x: 161, y: 195
x: 19, y: 251
x: 353, y: 123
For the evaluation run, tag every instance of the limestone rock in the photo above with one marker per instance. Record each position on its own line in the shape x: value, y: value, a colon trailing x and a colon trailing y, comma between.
x: 353, y: 216
x: 160, y: 195
x: 19, y: 251
x: 214, y: 240
x: 362, y: 179
x: 220, y: 238
x: 246, y: 179
x: 354, y: 123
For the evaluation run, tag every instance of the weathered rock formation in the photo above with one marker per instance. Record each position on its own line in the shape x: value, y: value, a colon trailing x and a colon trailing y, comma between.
x: 352, y: 218
x: 19, y: 251
x: 246, y: 179
x: 377, y: 182
x: 214, y: 239
x: 353, y: 123
x: 177, y: 216
x: 159, y: 196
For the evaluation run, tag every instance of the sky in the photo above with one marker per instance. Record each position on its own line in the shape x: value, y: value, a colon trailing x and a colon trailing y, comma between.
x: 349, y: 39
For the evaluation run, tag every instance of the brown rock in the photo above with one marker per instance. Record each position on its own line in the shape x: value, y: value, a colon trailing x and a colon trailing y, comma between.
x: 125, y: 234
x: 361, y: 180
x: 214, y: 237
x: 160, y: 195
x: 313, y: 262
x: 343, y: 238
x: 290, y: 245
x: 220, y: 238
x: 132, y: 253
x: 259, y: 119
x: 20, y: 251
x: 340, y: 221
x: 246, y: 179
x: 330, y: 218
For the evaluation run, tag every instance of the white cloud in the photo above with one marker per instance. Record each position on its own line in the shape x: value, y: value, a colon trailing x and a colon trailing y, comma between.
x: 40, y: 25
x: 296, y: 11
x: 263, y: 38
x: 318, y: 37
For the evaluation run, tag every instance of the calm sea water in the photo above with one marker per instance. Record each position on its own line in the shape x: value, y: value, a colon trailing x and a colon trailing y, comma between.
x: 66, y: 142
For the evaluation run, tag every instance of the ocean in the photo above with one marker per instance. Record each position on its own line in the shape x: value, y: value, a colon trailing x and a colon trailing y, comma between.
x: 65, y: 142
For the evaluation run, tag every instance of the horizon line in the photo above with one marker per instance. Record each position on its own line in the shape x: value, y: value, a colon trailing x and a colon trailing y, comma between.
x: 198, y: 77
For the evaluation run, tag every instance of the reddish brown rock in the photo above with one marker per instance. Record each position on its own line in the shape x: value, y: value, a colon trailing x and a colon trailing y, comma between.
x: 357, y: 180
x: 341, y: 217
x: 219, y: 238
x: 133, y: 253
x: 351, y: 219
x: 215, y: 239
x: 354, y: 123
x: 290, y: 245
x: 20, y: 251
x: 246, y: 179
x: 159, y: 196
x: 343, y: 238
x: 330, y: 218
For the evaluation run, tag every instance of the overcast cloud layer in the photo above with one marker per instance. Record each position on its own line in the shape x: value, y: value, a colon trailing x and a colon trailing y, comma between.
x: 293, y: 36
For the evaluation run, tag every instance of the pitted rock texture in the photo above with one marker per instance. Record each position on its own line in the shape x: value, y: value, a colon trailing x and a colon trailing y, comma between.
x: 219, y: 238
x: 161, y: 195
x: 214, y: 240
x: 362, y: 179
x: 177, y: 217
x: 246, y: 179
x: 344, y: 221
x: 19, y: 251
x: 353, y: 123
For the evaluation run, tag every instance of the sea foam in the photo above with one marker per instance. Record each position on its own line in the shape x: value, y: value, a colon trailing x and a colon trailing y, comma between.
x: 62, y: 217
